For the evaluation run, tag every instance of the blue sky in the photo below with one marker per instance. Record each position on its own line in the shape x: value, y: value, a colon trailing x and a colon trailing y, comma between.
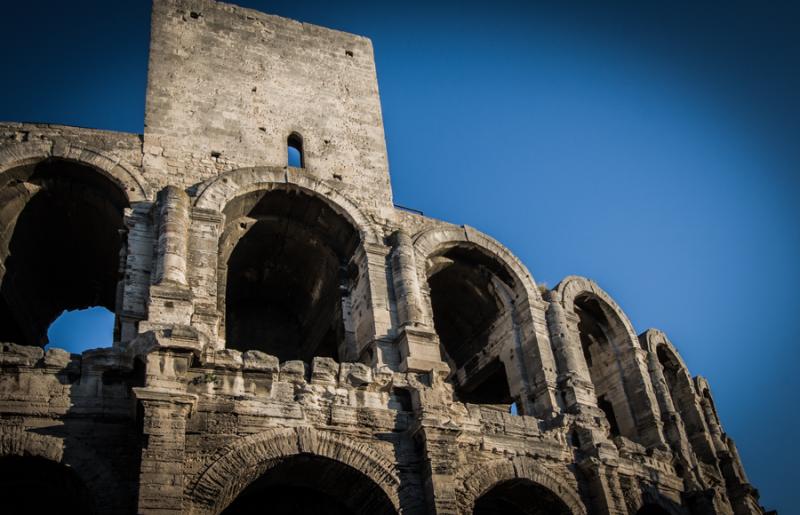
x: 653, y: 148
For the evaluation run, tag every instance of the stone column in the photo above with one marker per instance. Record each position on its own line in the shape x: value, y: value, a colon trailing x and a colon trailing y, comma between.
x: 673, y: 427
x: 405, y: 280
x: 203, y: 274
x: 162, y: 408
x: 438, y: 437
x: 170, y: 301
x: 535, y: 349
x: 744, y: 497
x: 574, y: 379
x: 138, y: 267
x: 642, y: 400
x: 417, y: 344
x: 173, y: 234
x: 713, y: 423
x: 440, y: 470
x: 161, y: 472
x: 369, y: 299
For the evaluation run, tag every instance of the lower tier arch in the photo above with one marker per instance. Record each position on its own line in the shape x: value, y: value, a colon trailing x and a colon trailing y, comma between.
x: 486, y: 488
x: 359, y: 480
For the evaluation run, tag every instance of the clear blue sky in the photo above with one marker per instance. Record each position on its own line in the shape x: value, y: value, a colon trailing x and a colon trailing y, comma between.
x: 655, y: 149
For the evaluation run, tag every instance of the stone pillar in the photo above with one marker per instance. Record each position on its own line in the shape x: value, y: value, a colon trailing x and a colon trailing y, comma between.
x: 574, y: 379
x: 162, y: 408
x: 673, y: 427
x: 535, y: 349
x: 203, y: 274
x: 440, y: 471
x: 405, y: 281
x: 712, y: 422
x: 605, y: 492
x: 643, y: 401
x: 744, y: 497
x: 173, y: 234
x: 417, y: 344
x: 436, y: 435
x: 138, y: 268
x: 161, y: 473
x: 170, y: 300
x: 369, y: 301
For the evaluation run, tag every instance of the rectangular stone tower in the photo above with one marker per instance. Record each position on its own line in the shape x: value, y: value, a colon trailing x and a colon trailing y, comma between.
x: 227, y: 86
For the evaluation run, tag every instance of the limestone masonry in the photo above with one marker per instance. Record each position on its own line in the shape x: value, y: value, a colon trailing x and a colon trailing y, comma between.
x: 289, y: 341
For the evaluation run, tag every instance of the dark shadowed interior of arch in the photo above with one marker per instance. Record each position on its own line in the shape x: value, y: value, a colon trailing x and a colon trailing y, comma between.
x: 520, y: 497
x: 61, y: 233
x: 37, y: 485
x: 470, y: 317
x: 652, y: 509
x: 308, y: 483
x: 287, y: 273
x: 683, y: 399
x: 596, y: 334
x: 670, y: 366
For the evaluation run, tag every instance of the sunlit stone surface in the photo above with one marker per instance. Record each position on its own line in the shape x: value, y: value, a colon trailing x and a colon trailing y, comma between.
x: 286, y: 340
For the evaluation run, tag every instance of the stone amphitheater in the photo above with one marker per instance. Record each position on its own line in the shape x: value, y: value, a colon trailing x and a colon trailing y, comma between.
x: 287, y: 340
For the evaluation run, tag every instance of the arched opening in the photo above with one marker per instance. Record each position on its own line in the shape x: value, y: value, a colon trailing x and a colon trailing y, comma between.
x: 306, y: 483
x: 36, y: 485
x: 61, y: 242
x: 294, y: 149
x: 473, y: 317
x: 670, y: 367
x: 520, y: 497
x: 597, y: 333
x: 287, y: 275
x: 683, y: 397
x: 651, y: 509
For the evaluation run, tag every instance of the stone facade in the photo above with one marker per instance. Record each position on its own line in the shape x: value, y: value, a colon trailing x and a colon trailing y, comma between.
x: 287, y: 339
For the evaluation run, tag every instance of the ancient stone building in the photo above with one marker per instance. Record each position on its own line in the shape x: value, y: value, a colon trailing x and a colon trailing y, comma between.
x: 289, y: 341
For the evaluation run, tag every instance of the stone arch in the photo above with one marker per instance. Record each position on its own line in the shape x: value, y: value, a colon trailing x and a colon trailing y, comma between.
x: 216, y: 193
x: 434, y: 239
x: 481, y: 477
x: 621, y: 380
x: 676, y: 392
x: 238, y: 465
x: 651, y: 339
x: 519, y: 350
x: 57, y: 195
x: 98, y: 478
x: 573, y: 286
x: 653, y: 502
x: 228, y: 192
x: 656, y: 343
x: 126, y: 177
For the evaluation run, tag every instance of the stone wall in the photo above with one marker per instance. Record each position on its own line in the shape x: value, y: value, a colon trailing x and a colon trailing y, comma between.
x: 421, y: 368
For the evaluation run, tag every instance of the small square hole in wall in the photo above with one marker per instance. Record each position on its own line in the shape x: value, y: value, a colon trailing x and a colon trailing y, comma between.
x: 348, y: 53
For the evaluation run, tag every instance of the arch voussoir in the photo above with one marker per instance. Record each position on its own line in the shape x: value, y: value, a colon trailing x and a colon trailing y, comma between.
x: 126, y: 177
x: 482, y: 477
x: 244, y: 461
x: 216, y: 193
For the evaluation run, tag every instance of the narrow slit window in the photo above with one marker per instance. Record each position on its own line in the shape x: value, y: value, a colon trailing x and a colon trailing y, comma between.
x: 294, y: 146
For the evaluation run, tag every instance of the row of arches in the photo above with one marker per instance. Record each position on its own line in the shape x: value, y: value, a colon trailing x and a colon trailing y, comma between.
x: 291, y: 281
x: 292, y: 471
x: 289, y: 485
